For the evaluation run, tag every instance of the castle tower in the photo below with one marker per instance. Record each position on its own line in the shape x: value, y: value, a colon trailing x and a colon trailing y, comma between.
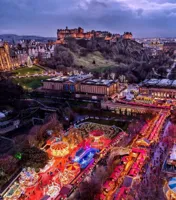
x: 80, y: 30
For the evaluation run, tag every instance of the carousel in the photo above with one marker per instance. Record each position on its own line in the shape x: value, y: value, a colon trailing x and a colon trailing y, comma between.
x: 28, y: 177
x: 170, y: 189
x: 60, y: 149
x: 70, y: 172
x: 72, y: 169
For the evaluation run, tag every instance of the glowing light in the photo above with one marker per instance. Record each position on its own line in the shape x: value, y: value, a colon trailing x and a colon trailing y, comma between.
x: 18, y: 156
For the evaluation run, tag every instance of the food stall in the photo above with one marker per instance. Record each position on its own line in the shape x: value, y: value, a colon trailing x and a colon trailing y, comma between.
x: 28, y: 177
x: 53, y: 191
x: 70, y: 172
x: 14, y: 192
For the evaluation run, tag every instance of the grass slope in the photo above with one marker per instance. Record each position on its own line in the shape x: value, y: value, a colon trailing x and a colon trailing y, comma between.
x: 100, y: 61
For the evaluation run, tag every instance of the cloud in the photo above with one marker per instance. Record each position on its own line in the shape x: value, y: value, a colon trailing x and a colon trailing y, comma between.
x: 148, y: 5
x: 142, y: 17
x: 172, y: 14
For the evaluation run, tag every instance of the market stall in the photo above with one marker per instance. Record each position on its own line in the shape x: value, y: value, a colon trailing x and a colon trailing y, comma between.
x: 14, y: 192
x: 53, y: 191
x: 70, y: 172
x: 28, y: 177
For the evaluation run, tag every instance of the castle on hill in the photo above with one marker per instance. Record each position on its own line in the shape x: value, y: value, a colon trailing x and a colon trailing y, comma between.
x: 78, y: 33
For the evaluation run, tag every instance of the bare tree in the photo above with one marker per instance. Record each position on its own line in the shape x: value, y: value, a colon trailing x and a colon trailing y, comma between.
x: 63, y: 56
x: 88, y: 188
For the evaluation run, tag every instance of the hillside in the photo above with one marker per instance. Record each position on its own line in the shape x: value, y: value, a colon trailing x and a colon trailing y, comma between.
x: 123, y: 57
x: 93, y: 61
x: 12, y: 37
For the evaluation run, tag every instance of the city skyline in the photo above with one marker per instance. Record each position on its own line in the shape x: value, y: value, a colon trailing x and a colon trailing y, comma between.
x: 144, y: 18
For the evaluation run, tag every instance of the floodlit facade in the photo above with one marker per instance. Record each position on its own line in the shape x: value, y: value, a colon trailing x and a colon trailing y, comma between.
x: 159, y: 88
x: 82, y: 85
x: 8, y: 62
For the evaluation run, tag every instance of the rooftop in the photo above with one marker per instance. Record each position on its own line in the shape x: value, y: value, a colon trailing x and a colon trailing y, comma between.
x: 170, y: 44
x: 103, y: 82
x: 165, y: 83
x: 73, y: 78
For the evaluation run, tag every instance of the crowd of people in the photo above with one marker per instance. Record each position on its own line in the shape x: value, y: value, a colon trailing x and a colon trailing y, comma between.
x: 152, y: 178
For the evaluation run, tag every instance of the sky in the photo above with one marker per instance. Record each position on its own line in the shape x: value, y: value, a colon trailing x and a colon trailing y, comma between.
x: 144, y: 18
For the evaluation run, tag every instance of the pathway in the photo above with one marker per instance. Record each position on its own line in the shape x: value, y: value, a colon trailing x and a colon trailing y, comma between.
x: 158, y: 150
x: 152, y: 177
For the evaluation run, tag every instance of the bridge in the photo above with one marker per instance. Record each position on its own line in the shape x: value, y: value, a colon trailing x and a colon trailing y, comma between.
x: 129, y: 109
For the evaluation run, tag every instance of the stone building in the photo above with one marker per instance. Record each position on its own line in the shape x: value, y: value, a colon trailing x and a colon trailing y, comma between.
x: 5, y: 61
x: 127, y: 35
x: 158, y: 88
x: 9, y: 60
x: 74, y: 33
x: 42, y: 50
x: 82, y: 86
x: 78, y: 33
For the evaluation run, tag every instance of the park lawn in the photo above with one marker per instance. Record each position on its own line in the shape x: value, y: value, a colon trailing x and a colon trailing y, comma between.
x: 30, y: 82
x: 28, y: 71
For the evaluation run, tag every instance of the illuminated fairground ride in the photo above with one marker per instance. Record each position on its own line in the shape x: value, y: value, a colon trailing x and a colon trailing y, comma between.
x: 98, y: 140
x: 74, y: 138
x: 84, y: 156
x: 60, y: 149
x: 28, y: 177
x: 70, y: 172
x: 97, y: 135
